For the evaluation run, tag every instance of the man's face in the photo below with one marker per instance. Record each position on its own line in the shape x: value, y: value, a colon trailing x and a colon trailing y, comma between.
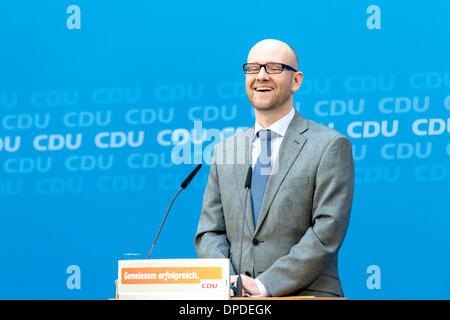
x: 270, y: 91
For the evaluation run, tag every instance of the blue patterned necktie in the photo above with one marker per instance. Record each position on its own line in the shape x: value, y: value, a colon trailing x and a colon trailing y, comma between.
x: 261, y: 173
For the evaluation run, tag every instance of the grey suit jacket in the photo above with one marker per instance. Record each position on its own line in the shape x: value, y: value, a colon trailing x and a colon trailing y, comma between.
x: 293, y: 250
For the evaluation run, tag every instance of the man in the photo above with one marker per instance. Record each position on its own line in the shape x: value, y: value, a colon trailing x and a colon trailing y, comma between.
x: 301, y: 189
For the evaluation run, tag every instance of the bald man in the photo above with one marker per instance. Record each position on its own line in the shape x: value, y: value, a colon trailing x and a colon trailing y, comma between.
x: 298, y: 206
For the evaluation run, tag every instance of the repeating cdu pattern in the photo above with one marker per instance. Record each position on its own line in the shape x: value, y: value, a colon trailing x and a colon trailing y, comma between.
x: 104, y: 110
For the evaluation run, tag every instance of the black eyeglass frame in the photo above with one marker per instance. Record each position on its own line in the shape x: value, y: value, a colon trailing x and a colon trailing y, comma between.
x: 284, y: 66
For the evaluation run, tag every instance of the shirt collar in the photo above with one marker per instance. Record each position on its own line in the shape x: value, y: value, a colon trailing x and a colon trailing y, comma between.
x: 279, y: 127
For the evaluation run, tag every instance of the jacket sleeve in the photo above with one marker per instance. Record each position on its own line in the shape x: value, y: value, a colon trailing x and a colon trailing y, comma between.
x: 332, y: 202
x: 211, y: 239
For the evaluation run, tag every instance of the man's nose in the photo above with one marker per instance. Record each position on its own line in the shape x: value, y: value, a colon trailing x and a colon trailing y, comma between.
x: 262, y: 74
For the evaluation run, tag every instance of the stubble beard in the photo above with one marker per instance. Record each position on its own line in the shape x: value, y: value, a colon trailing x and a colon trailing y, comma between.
x: 275, y: 103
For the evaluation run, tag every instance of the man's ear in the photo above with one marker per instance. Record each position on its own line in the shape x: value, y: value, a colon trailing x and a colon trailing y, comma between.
x: 297, y: 81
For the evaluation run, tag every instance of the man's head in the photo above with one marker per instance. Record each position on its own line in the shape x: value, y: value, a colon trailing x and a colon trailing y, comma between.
x: 272, y: 93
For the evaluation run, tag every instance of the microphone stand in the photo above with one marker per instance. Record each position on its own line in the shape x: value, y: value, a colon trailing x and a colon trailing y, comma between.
x: 164, y: 220
x: 183, y: 186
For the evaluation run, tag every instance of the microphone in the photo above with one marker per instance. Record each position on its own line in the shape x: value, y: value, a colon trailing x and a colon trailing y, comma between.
x: 248, y: 184
x: 183, y: 186
x: 190, y: 177
x: 248, y: 180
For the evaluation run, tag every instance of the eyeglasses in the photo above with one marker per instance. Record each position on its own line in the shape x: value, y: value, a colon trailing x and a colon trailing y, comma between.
x: 271, y: 67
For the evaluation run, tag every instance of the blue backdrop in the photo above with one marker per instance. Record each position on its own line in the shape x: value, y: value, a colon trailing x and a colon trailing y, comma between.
x: 94, y: 95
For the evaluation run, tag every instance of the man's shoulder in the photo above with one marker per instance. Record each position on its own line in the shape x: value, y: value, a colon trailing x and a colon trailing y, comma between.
x: 321, y: 133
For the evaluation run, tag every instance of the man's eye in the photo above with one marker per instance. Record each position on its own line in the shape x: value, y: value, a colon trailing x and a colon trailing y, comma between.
x: 275, y: 67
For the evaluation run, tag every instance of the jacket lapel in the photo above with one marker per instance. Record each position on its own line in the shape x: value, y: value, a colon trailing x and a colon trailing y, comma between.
x: 240, y: 175
x: 290, y: 148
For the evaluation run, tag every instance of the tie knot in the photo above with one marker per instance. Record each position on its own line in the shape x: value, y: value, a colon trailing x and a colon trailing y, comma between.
x: 265, y: 135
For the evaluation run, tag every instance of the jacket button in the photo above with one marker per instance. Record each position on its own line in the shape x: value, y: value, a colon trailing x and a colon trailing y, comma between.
x: 256, y: 242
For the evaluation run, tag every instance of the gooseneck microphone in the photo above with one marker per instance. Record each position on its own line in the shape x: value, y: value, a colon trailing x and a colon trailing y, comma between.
x: 183, y: 186
x: 248, y: 184
x: 190, y: 177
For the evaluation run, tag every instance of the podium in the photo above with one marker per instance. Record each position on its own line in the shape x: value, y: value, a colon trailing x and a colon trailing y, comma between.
x: 181, y: 279
x: 173, y: 279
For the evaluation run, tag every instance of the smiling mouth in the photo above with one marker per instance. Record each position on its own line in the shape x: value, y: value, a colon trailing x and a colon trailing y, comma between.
x: 263, y: 89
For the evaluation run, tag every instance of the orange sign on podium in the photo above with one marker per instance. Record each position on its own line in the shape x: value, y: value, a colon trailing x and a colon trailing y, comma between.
x: 205, y: 279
